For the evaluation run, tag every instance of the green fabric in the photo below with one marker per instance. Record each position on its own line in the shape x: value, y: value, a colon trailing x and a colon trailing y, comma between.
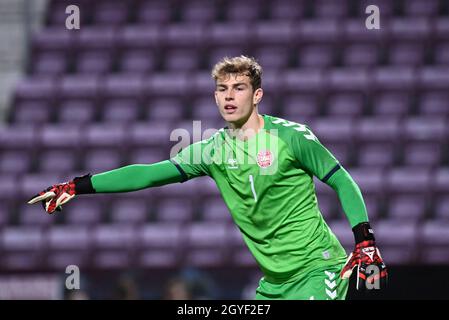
x: 136, y: 177
x: 350, y: 196
x: 319, y: 284
x: 267, y: 185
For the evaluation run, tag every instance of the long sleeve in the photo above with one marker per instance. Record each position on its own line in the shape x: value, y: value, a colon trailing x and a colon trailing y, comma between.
x: 136, y: 177
x: 350, y: 196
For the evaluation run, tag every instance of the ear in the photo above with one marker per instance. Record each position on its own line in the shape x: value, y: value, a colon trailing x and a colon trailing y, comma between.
x: 257, y: 96
x: 216, y: 99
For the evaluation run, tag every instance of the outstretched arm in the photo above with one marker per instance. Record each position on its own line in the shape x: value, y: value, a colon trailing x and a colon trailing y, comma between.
x: 130, y: 178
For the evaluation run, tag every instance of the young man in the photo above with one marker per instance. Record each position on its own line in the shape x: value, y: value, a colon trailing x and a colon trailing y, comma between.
x: 264, y: 168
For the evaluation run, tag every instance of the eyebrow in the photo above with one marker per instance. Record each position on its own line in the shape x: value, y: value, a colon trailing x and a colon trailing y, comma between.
x: 234, y: 85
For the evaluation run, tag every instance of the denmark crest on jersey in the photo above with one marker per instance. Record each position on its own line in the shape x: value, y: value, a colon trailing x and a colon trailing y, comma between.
x: 264, y: 158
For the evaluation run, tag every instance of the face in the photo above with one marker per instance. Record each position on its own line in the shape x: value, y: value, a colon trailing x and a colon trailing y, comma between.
x: 236, y: 98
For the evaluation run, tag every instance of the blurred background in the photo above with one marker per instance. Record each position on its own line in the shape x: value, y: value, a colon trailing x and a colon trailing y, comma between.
x: 110, y: 93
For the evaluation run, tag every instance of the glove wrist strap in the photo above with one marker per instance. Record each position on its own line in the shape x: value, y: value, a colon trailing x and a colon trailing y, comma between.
x: 363, y: 232
x: 83, y: 185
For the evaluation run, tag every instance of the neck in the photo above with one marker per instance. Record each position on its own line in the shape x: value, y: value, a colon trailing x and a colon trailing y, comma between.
x: 247, y: 128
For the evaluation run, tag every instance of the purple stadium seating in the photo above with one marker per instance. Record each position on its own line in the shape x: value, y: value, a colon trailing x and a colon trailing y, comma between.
x: 110, y: 13
x: 272, y: 33
x: 240, y: 11
x: 407, y: 207
x: 105, y: 135
x: 142, y: 37
x: 129, y: 211
x: 94, y: 62
x: 160, y: 236
x: 68, y: 237
x: 138, y: 61
x: 331, y: 9
x: 96, y: 37
x: 76, y: 111
x: 184, y: 35
x: 434, y: 78
x: 22, y: 238
x: 175, y: 211
x: 37, y: 87
x: 30, y: 184
x: 316, y: 56
x: 376, y: 155
x: 34, y: 215
x: 391, y: 104
x: 422, y: 154
x: 27, y: 112
x: 441, y: 179
x: 317, y: 30
x: 57, y: 161
x: 84, y: 211
x: 361, y: 55
x: 115, y: 91
x: 50, y: 63
x: 418, y: 8
x: 100, y: 160
x: 394, y: 78
x: 164, y: 109
x: 441, y: 54
x: 435, y: 240
x: 214, y: 209
x: 408, y: 54
x: 199, y: 11
x: 303, y: 80
x: 114, y: 236
x: 51, y: 136
x: 54, y: 38
x: 160, y: 243
x: 79, y: 86
x: 181, y: 59
x: 273, y: 58
x: 147, y: 155
x: 409, y: 180
x: 8, y: 187
x: 14, y: 162
x: 286, y: 10
x: 434, y: 104
x: 120, y: 110
x: 442, y: 208
x: 345, y: 105
x: 396, y: 240
x: 149, y: 134
x: 410, y: 28
x: 228, y: 34
x: 157, y: 12
x: 297, y: 106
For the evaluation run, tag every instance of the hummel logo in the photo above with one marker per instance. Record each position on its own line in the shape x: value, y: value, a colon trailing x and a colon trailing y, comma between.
x: 330, y: 275
x: 331, y: 285
x: 331, y: 294
x: 232, y: 163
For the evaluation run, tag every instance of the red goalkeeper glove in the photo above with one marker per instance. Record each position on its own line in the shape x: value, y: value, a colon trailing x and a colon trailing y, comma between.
x: 55, y: 196
x: 371, y: 270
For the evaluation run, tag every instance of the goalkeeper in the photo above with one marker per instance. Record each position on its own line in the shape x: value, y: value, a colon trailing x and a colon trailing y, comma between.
x: 263, y: 167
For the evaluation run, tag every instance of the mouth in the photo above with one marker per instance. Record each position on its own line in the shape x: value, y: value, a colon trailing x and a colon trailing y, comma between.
x: 230, y: 108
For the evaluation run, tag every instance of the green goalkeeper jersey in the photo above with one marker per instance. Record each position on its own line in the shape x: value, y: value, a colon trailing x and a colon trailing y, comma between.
x: 267, y: 184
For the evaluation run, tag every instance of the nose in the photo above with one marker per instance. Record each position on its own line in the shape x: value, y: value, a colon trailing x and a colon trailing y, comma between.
x: 229, y: 95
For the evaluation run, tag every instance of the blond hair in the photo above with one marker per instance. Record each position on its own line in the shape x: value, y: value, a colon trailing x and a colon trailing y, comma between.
x: 241, y: 65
